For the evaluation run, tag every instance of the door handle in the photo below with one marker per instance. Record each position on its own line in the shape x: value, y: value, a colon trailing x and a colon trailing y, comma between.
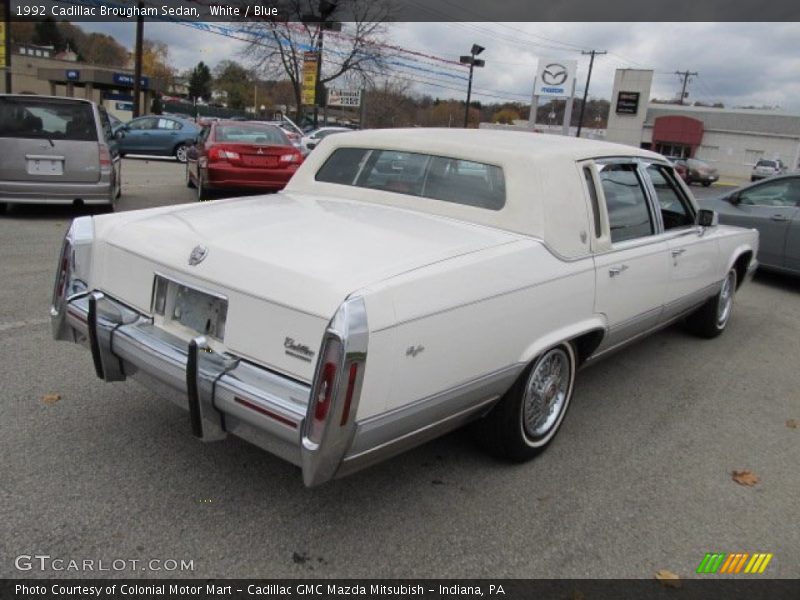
x: 677, y: 252
x: 614, y: 271
x: 779, y: 218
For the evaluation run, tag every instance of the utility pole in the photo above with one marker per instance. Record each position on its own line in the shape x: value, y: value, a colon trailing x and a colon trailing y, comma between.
x: 685, y: 75
x: 472, y: 62
x: 326, y: 9
x: 7, y: 43
x: 137, y: 68
x: 593, y: 53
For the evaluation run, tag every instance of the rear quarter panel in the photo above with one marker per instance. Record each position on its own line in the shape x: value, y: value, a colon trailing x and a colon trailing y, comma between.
x: 471, y: 316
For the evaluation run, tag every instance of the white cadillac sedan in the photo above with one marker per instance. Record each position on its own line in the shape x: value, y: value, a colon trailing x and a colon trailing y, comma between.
x: 404, y: 283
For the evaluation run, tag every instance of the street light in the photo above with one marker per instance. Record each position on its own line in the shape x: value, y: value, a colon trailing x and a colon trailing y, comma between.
x: 472, y: 62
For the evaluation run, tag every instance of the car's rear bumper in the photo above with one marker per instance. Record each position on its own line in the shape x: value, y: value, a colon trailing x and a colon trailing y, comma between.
x: 56, y: 192
x: 222, y: 393
x: 231, y: 177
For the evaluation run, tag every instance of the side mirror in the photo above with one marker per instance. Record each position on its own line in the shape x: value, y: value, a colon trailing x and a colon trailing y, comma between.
x: 119, y: 133
x: 733, y: 199
x: 707, y: 218
x: 311, y: 145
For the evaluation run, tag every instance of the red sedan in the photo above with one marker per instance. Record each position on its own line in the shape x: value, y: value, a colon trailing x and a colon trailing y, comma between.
x: 241, y: 155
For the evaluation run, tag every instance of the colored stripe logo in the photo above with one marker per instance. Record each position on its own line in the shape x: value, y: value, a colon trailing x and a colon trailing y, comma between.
x: 735, y: 563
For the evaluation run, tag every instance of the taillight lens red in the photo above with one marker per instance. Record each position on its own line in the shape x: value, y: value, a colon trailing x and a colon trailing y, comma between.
x: 221, y: 153
x: 348, y: 398
x: 105, y: 156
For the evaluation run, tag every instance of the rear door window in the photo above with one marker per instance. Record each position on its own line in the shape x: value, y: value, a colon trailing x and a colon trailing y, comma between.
x: 46, y: 118
x: 628, y: 209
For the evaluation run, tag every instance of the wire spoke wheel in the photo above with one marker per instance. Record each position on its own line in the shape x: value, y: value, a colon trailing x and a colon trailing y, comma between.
x: 546, y: 394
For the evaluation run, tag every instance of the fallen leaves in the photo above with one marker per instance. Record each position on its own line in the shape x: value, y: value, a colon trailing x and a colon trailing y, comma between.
x: 745, y: 477
x: 668, y: 578
x: 51, y: 398
x: 791, y: 423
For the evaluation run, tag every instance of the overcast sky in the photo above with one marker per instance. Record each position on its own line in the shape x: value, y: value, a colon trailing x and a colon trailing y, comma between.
x: 738, y: 63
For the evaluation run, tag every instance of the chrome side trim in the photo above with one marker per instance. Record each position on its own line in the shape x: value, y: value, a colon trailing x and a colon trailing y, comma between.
x: 393, y: 432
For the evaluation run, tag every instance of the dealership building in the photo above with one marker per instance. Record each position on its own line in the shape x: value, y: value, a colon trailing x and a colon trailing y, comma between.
x: 39, y: 70
x: 731, y: 139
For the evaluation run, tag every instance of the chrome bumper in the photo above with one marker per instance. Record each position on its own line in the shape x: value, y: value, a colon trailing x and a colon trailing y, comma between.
x: 222, y: 393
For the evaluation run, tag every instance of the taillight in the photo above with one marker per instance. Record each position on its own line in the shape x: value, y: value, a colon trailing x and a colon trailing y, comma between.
x: 105, y: 156
x: 220, y: 153
x: 325, y: 388
x: 290, y: 157
x: 64, y: 270
x: 348, y: 397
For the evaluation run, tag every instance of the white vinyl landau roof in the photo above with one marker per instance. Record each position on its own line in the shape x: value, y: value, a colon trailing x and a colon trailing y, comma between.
x: 545, y: 188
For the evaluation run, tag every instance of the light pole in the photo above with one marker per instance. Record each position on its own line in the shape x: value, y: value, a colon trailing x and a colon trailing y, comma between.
x: 472, y: 62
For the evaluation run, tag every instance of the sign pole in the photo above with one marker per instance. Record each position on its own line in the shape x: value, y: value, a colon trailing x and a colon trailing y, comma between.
x: 7, y: 43
x: 568, y: 111
x: 137, y: 68
x: 362, y: 119
x: 534, y: 107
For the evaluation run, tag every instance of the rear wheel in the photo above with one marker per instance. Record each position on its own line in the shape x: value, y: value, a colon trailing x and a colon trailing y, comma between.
x: 527, y: 418
x: 180, y: 152
x: 711, y: 319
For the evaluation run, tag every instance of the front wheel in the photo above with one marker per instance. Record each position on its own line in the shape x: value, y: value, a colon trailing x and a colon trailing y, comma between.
x: 180, y: 152
x: 711, y: 319
x: 706, y: 183
x: 527, y: 418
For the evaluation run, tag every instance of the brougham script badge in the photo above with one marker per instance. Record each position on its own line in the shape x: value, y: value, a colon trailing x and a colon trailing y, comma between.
x: 297, y: 349
x: 198, y: 255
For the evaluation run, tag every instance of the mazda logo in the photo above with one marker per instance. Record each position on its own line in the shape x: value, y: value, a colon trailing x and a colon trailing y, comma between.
x: 554, y: 74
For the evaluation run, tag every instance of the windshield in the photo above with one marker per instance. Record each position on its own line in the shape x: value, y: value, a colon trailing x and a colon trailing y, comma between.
x: 47, y: 118
x: 767, y: 163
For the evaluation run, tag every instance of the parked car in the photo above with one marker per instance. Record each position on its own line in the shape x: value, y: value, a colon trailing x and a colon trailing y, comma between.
x: 767, y: 168
x: 773, y: 208
x: 697, y: 171
x: 311, y: 139
x: 404, y: 283
x: 158, y: 135
x: 57, y: 151
x: 679, y: 164
x: 241, y: 155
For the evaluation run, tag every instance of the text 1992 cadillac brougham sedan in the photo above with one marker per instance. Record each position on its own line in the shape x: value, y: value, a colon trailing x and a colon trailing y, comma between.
x: 404, y: 283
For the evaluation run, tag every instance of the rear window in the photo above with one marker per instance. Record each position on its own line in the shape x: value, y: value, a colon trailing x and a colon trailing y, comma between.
x: 47, y: 119
x: 767, y: 163
x: 251, y: 134
x: 415, y: 174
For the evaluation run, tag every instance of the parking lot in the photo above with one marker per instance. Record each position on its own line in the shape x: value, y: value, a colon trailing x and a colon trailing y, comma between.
x: 638, y: 480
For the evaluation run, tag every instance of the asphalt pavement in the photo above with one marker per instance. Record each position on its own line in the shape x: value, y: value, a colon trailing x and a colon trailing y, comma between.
x: 638, y: 480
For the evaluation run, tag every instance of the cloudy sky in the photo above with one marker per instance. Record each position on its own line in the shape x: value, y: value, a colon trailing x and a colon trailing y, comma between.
x: 738, y: 63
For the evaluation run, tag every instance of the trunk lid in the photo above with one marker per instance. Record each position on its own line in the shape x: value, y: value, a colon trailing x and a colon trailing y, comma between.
x: 285, y: 262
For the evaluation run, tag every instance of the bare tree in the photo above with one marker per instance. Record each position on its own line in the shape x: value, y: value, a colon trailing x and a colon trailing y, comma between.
x: 276, y: 49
